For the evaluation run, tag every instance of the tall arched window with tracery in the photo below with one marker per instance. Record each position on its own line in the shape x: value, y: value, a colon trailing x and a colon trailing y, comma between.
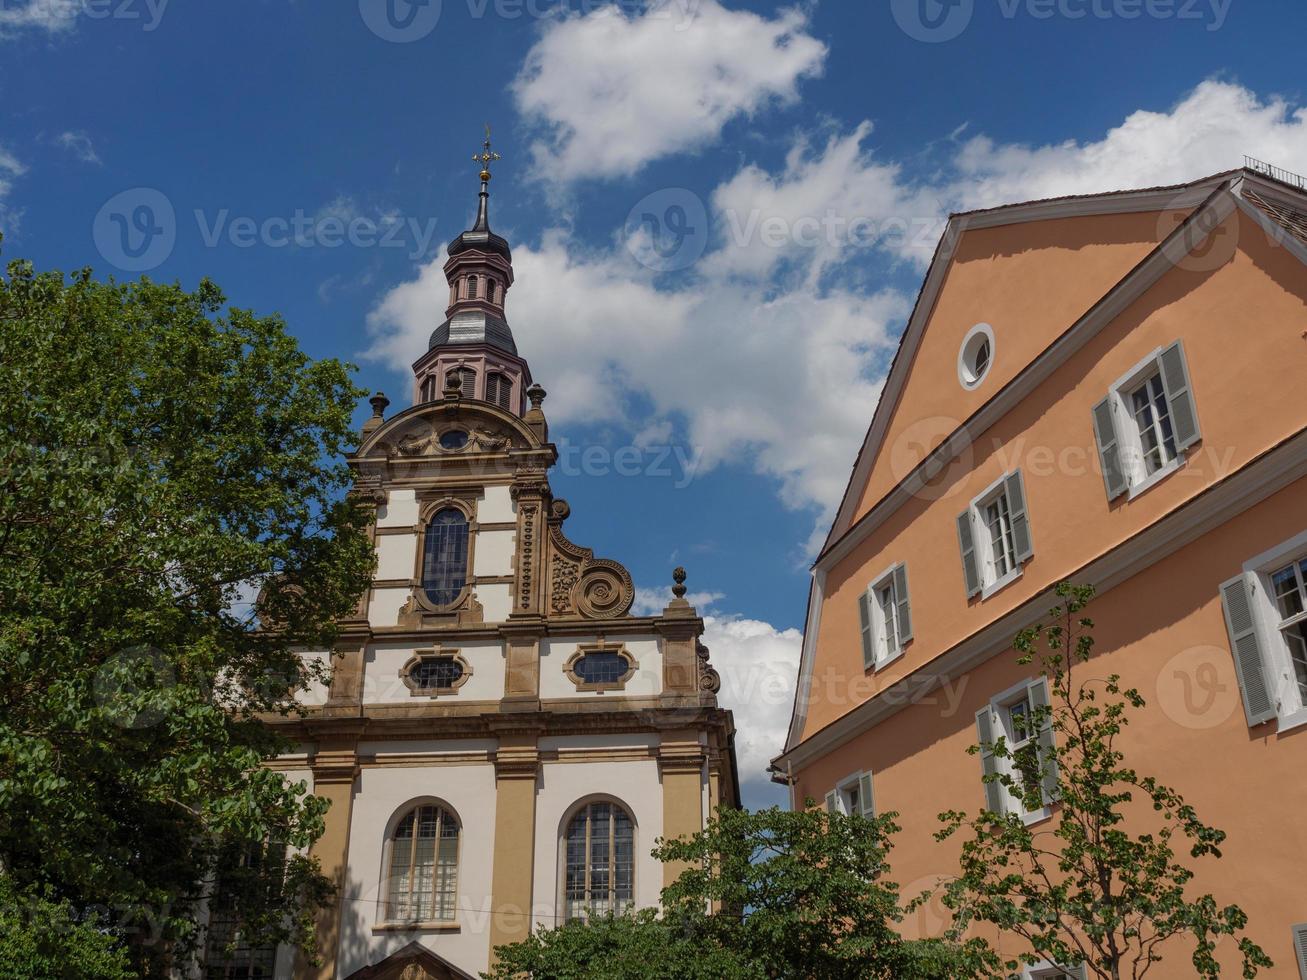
x: 422, y: 875
x: 599, y: 854
x: 444, y: 556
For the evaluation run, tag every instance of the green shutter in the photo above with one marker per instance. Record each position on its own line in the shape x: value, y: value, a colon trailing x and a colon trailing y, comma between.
x: 905, y: 606
x: 970, y: 568
x: 1016, y: 502
x: 1258, y: 705
x: 988, y: 764
x: 1109, y: 451
x: 1179, y: 396
x: 868, y: 641
x: 1040, y: 698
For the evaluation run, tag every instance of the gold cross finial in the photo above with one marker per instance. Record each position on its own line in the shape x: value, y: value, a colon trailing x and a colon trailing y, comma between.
x: 486, y: 156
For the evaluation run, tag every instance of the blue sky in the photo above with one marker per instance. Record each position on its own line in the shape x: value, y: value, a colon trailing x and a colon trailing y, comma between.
x: 710, y: 381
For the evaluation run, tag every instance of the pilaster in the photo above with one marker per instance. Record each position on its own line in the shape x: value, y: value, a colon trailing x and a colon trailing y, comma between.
x: 680, y: 767
x: 517, y: 764
x: 335, y: 770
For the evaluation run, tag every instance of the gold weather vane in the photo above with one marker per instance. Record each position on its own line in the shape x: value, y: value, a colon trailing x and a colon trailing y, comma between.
x: 486, y: 156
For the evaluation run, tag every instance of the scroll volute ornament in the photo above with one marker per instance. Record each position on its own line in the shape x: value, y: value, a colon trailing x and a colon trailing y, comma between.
x: 579, y: 583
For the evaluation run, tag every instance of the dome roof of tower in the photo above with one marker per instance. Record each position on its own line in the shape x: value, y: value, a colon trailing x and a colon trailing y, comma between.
x: 474, y: 327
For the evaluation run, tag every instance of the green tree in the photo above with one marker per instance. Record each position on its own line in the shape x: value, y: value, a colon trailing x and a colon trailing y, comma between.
x: 767, y: 894
x: 45, y: 940
x: 1101, y: 885
x: 162, y: 457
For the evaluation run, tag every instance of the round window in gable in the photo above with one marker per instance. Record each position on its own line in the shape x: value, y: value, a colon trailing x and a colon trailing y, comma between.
x: 453, y: 439
x: 976, y: 356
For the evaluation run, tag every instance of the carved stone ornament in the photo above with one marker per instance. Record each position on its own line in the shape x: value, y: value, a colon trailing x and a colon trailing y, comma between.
x: 582, y: 585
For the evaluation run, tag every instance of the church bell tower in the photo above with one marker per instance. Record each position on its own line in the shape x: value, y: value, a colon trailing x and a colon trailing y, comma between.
x: 503, y: 739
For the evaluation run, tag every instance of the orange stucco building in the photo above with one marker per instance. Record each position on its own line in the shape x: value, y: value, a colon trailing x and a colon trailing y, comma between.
x: 1106, y: 389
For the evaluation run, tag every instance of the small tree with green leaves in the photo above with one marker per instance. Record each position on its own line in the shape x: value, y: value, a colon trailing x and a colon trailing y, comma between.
x: 1094, y: 888
x: 768, y: 894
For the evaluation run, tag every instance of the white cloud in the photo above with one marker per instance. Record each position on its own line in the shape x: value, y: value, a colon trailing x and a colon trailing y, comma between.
x: 758, y: 664
x: 10, y: 168
x: 1208, y: 131
x: 782, y: 382
x: 51, y: 16
x: 760, y: 356
x: 617, y: 90
x: 79, y: 144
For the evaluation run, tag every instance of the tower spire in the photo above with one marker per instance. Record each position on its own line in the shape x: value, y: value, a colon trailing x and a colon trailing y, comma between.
x: 486, y: 157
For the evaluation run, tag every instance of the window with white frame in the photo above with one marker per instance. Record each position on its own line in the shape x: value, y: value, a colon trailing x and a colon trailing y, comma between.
x: 1146, y: 422
x: 853, y: 795
x: 994, y: 534
x: 1266, y: 616
x: 1019, y: 717
x: 1048, y: 971
x: 886, y: 615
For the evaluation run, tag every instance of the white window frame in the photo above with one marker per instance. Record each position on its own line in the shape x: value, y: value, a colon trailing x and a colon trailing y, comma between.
x: 984, y: 547
x: 1130, y: 447
x: 848, y: 790
x: 998, y: 707
x: 880, y: 628
x: 1045, y: 970
x: 1290, y: 706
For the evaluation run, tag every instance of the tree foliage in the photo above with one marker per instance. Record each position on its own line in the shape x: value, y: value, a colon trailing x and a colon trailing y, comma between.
x: 767, y: 894
x: 1101, y: 885
x: 162, y: 456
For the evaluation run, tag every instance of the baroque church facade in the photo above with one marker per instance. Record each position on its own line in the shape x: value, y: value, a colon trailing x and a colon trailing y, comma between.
x: 502, y: 741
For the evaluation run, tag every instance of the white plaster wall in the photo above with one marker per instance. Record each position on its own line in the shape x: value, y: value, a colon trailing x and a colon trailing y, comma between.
x: 396, y: 555
x: 494, y: 553
x: 562, y: 785
x: 385, y: 604
x: 554, y: 654
x: 496, y: 601
x: 384, y: 791
x: 401, y: 510
x: 382, y: 662
x: 316, y: 692
x: 497, y: 506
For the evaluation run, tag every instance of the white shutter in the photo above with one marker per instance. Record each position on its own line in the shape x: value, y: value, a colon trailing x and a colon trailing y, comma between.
x: 1040, y: 698
x: 868, y: 641
x: 988, y: 764
x: 831, y: 806
x: 1237, y: 601
x: 1179, y: 396
x: 1109, y: 449
x: 904, y: 604
x: 866, y: 801
x: 1016, y: 502
x: 1300, y: 947
x: 970, y: 567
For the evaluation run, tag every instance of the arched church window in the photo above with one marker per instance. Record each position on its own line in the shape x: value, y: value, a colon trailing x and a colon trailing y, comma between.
x: 499, y: 389
x: 492, y: 290
x: 600, y: 861
x: 422, y: 878
x: 473, y: 284
x: 444, y: 557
